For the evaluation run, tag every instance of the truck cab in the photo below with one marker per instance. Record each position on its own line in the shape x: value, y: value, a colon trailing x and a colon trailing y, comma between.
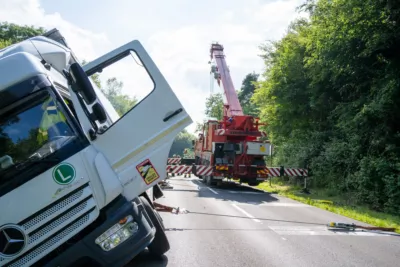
x: 76, y: 178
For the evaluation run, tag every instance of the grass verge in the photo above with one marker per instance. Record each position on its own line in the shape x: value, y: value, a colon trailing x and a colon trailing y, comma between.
x: 326, y: 200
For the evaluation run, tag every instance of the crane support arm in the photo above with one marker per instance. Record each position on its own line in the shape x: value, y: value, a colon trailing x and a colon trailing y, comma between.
x: 222, y: 74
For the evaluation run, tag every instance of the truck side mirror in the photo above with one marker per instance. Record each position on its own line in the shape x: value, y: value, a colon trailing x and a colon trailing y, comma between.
x: 98, y: 113
x: 82, y: 83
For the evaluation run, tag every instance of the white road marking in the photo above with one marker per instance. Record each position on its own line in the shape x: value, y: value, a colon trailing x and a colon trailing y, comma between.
x: 212, y: 190
x: 246, y: 213
x: 245, y: 192
x: 318, y: 231
x: 278, y: 204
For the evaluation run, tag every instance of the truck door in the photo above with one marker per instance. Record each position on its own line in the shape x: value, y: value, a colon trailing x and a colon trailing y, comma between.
x: 138, y: 143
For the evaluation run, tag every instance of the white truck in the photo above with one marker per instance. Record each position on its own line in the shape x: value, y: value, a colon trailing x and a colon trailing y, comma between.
x: 77, y: 181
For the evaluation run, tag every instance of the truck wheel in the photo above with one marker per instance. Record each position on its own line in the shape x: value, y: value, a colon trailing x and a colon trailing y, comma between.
x: 160, y: 243
x: 209, y: 180
x: 253, y: 183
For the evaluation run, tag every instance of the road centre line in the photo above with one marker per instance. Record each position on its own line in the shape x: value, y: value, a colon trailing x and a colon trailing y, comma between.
x: 276, y: 204
x: 246, y: 213
x: 212, y: 190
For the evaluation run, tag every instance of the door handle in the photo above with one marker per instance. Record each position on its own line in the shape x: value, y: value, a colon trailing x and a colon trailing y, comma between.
x: 176, y: 112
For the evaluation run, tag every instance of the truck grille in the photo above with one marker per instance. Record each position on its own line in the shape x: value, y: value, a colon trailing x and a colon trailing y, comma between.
x: 55, y: 224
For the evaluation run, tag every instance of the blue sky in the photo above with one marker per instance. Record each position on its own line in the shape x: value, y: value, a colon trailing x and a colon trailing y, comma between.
x: 176, y: 33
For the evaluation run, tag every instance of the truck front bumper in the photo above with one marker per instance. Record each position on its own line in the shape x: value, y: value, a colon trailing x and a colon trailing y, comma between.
x: 86, y: 252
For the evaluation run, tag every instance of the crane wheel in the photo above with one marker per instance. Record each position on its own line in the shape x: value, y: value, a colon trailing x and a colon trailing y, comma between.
x: 160, y: 244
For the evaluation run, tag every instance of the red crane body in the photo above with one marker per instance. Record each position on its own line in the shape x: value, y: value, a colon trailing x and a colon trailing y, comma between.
x: 231, y: 146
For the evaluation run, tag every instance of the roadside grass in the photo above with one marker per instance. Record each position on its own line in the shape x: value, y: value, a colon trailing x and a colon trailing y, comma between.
x: 331, y: 201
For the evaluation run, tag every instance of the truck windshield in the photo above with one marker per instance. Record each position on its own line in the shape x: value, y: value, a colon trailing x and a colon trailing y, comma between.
x: 31, y: 130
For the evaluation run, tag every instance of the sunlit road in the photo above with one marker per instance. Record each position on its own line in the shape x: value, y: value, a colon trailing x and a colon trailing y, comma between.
x: 238, y: 226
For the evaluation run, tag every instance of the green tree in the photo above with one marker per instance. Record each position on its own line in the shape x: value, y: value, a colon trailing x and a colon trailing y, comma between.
x: 113, y: 91
x: 11, y: 33
x: 182, y: 141
x: 330, y: 94
x: 215, y: 106
x: 4, y: 43
x: 246, y: 92
x: 121, y: 102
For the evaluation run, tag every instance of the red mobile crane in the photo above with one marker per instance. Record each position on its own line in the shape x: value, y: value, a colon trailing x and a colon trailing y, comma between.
x: 231, y: 146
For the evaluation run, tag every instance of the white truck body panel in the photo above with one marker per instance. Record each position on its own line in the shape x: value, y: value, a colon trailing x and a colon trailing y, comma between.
x: 110, y: 166
x: 35, y: 200
x: 143, y: 133
x: 19, y: 67
x: 41, y: 47
x: 256, y: 148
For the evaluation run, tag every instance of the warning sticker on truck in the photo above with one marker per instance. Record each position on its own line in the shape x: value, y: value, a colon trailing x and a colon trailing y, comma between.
x: 147, y: 171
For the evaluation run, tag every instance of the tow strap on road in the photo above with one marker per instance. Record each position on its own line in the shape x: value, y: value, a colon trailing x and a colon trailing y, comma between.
x: 333, y: 226
x: 353, y: 227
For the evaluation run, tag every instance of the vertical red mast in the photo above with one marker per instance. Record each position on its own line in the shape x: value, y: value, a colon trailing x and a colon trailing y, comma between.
x: 221, y: 74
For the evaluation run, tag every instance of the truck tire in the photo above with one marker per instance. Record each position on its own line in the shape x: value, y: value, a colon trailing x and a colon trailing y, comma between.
x: 253, y: 183
x: 211, y: 181
x: 160, y: 244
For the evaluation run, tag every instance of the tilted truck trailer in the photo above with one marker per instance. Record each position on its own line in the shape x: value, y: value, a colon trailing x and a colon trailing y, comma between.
x: 77, y: 181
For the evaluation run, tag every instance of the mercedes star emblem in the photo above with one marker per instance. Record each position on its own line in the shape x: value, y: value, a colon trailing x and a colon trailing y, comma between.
x: 12, y: 240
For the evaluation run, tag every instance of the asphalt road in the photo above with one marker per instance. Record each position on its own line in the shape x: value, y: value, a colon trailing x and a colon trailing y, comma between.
x: 239, y: 226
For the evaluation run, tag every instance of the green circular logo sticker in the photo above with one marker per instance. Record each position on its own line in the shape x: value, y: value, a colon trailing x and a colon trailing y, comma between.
x: 64, y: 174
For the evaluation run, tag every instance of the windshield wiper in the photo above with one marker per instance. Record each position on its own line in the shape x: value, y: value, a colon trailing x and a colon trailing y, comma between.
x: 36, y: 160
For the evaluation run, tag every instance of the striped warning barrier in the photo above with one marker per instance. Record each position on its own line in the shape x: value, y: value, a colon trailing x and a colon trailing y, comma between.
x: 203, y: 170
x: 275, y: 171
x: 207, y: 170
x: 296, y: 172
x: 174, y: 161
x: 185, y: 169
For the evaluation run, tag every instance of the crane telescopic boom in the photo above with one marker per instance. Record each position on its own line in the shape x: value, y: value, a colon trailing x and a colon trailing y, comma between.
x: 222, y: 74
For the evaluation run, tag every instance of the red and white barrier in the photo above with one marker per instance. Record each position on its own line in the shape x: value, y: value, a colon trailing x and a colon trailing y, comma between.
x: 275, y: 172
x: 185, y: 169
x: 207, y: 170
x: 203, y: 170
x: 296, y: 172
x: 174, y: 161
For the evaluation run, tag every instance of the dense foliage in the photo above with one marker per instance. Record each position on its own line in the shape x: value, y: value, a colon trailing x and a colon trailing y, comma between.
x: 330, y: 95
x: 182, y: 141
x: 215, y: 104
x: 245, y: 94
x: 11, y: 33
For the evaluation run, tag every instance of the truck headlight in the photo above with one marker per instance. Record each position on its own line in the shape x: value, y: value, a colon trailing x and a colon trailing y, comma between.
x: 117, y: 234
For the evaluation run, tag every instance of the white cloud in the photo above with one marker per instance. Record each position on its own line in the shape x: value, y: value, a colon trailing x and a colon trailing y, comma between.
x: 180, y: 50
x: 86, y: 44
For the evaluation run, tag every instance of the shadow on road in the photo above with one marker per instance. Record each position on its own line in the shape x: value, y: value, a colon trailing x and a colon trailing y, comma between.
x: 227, y: 191
x: 231, y: 191
x: 145, y: 259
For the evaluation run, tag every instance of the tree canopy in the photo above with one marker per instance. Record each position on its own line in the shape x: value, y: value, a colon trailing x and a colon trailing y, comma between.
x: 11, y: 33
x: 182, y: 141
x: 246, y: 93
x: 330, y: 96
x: 215, y: 105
